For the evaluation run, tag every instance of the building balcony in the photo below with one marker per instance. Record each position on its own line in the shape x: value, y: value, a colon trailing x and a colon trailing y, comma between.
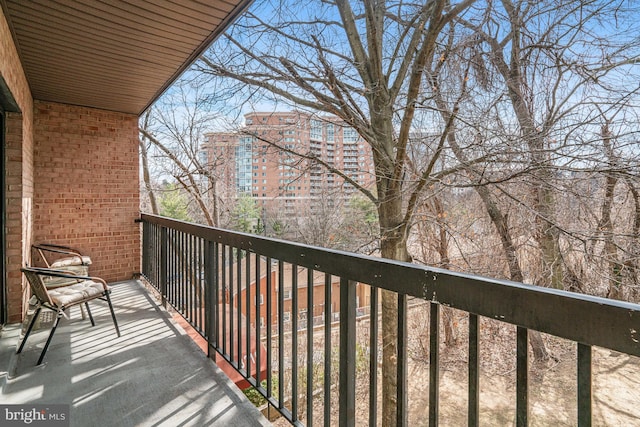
x: 70, y: 175
x: 248, y: 300
x: 329, y: 371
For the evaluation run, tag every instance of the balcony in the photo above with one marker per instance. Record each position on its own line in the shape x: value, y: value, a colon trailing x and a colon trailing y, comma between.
x: 70, y: 174
x: 328, y: 372
x: 152, y: 375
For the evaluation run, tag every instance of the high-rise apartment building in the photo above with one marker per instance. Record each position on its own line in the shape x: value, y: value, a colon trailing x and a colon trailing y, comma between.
x: 291, y: 160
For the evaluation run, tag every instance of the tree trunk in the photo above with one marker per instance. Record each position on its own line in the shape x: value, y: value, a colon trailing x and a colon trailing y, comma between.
x: 499, y: 221
x: 450, y: 337
x: 547, y: 234
x: 393, y: 245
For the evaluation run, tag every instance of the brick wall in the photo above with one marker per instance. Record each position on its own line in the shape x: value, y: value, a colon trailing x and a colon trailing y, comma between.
x: 71, y: 178
x: 86, y: 185
x: 18, y: 173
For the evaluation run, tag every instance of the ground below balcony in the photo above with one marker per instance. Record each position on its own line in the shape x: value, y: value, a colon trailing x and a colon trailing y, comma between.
x: 153, y: 375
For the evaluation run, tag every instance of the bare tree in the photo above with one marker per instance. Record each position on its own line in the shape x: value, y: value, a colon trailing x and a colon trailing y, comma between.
x: 364, y: 63
x: 174, y: 127
x: 549, y: 57
x: 146, y: 173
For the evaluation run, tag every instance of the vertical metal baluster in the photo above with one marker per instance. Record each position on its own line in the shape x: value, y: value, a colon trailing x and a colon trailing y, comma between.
x: 257, y: 317
x: 174, y: 269
x: 208, y: 298
x: 145, y: 242
x: 216, y: 297
x: 161, y: 241
x: 522, y: 373
x: 280, y: 334
x: 163, y: 265
x: 182, y: 268
x: 401, y: 414
x: 230, y: 311
x: 223, y: 305
x: 294, y: 342
x: 239, y: 303
x: 347, y: 399
x: 187, y: 259
x: 247, y: 315
x: 181, y: 256
x: 195, y: 267
x: 146, y: 266
x: 201, y: 275
x: 269, y: 322
x: 434, y: 364
x: 170, y: 268
x: 309, y: 347
x: 327, y: 349
x: 175, y: 279
x: 196, y: 285
x: 195, y: 257
x: 474, y: 373
x: 373, y: 361
x: 584, y: 385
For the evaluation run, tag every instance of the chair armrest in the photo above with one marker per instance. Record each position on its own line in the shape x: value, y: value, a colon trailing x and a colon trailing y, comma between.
x: 60, y: 249
x: 41, y: 271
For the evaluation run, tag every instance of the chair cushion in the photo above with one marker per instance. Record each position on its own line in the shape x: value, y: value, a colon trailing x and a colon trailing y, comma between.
x: 72, y: 260
x: 53, y: 282
x: 74, y: 294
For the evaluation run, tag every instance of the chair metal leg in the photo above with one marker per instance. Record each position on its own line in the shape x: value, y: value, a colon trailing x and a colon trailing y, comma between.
x: 89, y: 313
x: 113, y: 314
x: 31, y: 323
x: 53, y: 330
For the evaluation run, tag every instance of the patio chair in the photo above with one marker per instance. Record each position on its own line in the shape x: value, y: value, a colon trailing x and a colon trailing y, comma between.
x: 59, y: 299
x: 62, y: 258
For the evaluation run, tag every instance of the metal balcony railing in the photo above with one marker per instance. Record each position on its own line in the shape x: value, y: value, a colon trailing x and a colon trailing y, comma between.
x: 231, y: 288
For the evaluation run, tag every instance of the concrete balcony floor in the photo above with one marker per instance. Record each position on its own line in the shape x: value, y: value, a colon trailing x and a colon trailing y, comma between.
x: 153, y: 375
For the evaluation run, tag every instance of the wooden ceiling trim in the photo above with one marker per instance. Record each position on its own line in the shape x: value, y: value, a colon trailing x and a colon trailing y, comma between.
x: 43, y: 18
x: 192, y: 9
x: 167, y: 17
x: 130, y: 56
x: 94, y: 47
x: 116, y: 17
x: 118, y: 55
x: 93, y: 36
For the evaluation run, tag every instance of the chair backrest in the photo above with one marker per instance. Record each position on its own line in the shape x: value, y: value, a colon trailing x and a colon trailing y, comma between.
x: 58, y: 256
x: 37, y: 285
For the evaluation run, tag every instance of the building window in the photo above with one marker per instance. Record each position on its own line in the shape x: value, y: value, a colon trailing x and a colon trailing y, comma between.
x: 286, y: 316
x: 287, y: 294
x: 330, y: 132
x: 349, y: 135
x: 316, y: 129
